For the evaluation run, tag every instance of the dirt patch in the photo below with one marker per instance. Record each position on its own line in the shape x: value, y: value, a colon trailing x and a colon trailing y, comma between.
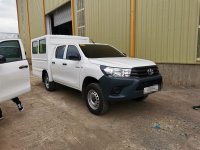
x: 60, y: 120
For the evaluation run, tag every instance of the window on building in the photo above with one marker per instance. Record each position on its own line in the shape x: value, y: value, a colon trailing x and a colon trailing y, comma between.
x: 60, y: 52
x: 72, y: 52
x: 42, y: 46
x: 35, y: 47
x: 11, y: 51
x: 81, y: 17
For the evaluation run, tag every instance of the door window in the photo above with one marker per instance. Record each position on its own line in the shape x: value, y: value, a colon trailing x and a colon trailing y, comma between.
x: 35, y: 47
x: 42, y: 46
x: 60, y: 52
x: 11, y: 50
x: 72, y: 53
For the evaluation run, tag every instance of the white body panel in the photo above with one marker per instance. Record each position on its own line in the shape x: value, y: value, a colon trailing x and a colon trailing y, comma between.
x: 67, y: 75
x: 74, y: 73
x: 42, y: 62
x: 70, y: 72
x: 122, y: 62
x: 13, y: 80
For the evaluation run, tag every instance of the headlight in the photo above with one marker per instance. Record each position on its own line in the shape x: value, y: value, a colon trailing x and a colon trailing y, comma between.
x: 116, y: 72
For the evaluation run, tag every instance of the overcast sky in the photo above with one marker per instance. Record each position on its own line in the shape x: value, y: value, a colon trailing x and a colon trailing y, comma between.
x: 8, y: 16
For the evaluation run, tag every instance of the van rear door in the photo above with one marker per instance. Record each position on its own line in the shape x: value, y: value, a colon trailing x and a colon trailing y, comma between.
x: 14, y: 71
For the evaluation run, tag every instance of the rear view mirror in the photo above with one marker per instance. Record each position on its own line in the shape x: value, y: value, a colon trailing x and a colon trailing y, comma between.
x: 2, y: 59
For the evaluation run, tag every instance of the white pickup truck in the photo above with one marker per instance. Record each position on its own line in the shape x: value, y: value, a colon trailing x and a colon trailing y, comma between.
x: 14, y: 70
x: 100, y: 71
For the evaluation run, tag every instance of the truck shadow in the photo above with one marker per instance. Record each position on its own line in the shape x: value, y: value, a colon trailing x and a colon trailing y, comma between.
x: 70, y: 92
x: 124, y: 107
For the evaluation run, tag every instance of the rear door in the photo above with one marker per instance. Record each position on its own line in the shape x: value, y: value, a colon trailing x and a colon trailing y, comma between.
x: 14, y: 73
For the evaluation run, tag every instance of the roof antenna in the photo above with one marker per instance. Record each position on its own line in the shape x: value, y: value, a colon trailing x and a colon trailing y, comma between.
x: 92, y: 41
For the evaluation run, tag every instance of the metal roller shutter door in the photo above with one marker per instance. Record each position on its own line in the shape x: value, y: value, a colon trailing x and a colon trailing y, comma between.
x: 62, y: 15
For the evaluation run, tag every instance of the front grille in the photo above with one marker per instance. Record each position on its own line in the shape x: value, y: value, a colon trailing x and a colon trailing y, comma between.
x: 144, y: 71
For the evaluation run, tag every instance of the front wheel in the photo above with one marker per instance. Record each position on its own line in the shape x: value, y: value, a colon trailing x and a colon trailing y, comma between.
x: 95, y: 100
x: 50, y: 86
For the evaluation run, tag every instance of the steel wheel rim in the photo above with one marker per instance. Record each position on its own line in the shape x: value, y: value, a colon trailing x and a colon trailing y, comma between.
x: 93, y: 99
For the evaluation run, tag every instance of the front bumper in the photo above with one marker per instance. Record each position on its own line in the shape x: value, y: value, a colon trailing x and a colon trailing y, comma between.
x: 120, y: 89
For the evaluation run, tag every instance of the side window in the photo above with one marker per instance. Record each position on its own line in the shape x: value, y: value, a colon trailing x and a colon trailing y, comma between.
x: 60, y: 52
x: 11, y: 50
x: 35, y: 47
x: 42, y: 46
x: 72, y: 53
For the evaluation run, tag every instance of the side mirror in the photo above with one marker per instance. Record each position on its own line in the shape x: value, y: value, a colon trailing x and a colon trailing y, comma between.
x: 75, y: 58
x: 2, y: 59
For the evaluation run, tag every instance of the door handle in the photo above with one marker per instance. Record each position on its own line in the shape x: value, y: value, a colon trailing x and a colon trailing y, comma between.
x: 78, y: 67
x: 22, y: 67
x: 64, y: 64
x: 53, y: 62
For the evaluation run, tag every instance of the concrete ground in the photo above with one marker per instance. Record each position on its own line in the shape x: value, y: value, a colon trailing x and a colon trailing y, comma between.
x: 60, y: 121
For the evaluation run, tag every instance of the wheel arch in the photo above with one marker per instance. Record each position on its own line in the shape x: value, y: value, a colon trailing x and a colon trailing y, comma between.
x: 88, y: 80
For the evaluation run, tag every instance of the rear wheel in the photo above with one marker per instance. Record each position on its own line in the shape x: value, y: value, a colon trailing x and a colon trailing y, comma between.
x: 50, y: 86
x: 95, y: 100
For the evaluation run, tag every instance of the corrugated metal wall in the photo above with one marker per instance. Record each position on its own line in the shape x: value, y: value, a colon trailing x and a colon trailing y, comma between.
x: 23, y: 25
x: 166, y: 30
x: 108, y: 21
x: 51, y: 5
x: 36, y: 15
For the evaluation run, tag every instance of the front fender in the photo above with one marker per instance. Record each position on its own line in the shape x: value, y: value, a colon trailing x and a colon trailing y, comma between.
x: 91, y: 70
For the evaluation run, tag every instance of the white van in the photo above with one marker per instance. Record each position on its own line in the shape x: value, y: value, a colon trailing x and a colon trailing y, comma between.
x: 14, y: 70
x: 101, y: 72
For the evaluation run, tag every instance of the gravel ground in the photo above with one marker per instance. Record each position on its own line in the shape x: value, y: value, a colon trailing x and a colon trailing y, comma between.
x: 59, y: 120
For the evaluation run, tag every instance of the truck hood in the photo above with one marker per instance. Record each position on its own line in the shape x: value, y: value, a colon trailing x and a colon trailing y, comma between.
x: 122, y: 62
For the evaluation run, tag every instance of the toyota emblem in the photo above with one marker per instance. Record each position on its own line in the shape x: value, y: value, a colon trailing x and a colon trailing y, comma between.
x: 150, y: 72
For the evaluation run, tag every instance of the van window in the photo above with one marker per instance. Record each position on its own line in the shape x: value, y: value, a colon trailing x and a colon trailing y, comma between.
x: 11, y: 50
x: 60, y: 52
x: 42, y: 46
x: 72, y: 52
x: 35, y: 47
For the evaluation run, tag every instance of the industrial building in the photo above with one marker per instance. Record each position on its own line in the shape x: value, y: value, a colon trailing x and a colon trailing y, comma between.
x: 165, y: 31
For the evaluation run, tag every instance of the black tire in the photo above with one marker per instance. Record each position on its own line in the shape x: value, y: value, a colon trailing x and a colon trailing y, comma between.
x: 141, y: 99
x: 94, y: 98
x: 50, y: 86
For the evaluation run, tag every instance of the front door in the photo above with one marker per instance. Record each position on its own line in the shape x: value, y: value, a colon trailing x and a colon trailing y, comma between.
x: 66, y: 66
x: 57, y: 65
x: 73, y: 67
x: 14, y: 72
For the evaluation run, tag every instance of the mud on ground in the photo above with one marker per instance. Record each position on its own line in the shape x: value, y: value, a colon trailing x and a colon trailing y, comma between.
x: 59, y: 120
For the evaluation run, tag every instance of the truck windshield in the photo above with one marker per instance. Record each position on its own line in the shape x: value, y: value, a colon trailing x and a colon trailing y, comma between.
x: 100, y: 51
